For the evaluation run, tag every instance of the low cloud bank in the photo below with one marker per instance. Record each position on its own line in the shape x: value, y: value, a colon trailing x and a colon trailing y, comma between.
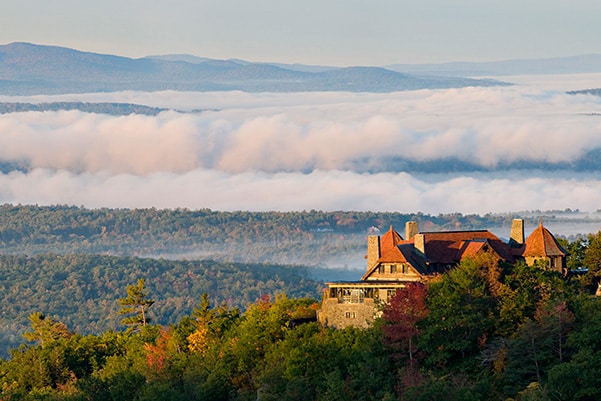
x: 320, y: 190
x: 483, y: 127
x: 302, y: 151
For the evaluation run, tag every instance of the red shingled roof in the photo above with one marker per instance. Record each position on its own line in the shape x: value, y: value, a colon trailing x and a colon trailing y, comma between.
x: 392, y: 255
x: 390, y: 240
x: 446, y: 248
x: 389, y: 247
x: 449, y: 247
x: 471, y: 248
x: 542, y: 243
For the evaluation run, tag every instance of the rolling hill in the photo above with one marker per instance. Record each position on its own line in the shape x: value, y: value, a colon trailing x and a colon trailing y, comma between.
x: 27, y: 69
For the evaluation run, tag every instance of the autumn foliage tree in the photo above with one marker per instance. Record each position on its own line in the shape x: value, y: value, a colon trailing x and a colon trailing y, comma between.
x: 406, y: 308
x: 211, y: 323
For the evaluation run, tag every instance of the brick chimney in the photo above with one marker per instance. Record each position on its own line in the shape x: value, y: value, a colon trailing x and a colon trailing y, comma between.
x: 411, y: 229
x: 373, y: 250
x: 516, y: 238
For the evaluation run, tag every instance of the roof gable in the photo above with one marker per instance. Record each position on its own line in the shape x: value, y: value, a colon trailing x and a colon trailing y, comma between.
x: 472, y: 248
x: 400, y: 254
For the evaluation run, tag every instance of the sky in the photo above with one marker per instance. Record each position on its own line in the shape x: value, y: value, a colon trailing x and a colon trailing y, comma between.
x: 325, y: 32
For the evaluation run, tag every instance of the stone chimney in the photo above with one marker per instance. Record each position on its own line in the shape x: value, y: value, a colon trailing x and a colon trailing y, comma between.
x: 419, y: 244
x: 373, y: 250
x: 410, y: 229
x: 516, y: 238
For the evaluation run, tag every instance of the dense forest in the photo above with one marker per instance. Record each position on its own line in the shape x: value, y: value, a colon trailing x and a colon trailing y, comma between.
x: 483, y: 331
x: 76, y: 326
x: 82, y: 290
x: 70, y: 262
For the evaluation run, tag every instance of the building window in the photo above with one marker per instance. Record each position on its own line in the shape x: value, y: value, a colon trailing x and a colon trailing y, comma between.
x: 351, y: 315
x: 352, y: 296
x: 382, y: 269
x: 357, y: 296
x: 392, y: 268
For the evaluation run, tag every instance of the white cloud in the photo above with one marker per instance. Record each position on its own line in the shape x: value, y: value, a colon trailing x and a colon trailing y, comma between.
x: 288, y: 151
x: 320, y: 190
x: 301, y: 132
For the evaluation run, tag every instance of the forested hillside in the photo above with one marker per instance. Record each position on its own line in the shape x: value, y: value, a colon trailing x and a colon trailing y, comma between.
x: 596, y: 92
x: 482, y: 332
x: 310, y: 238
x: 82, y: 290
x: 74, y: 263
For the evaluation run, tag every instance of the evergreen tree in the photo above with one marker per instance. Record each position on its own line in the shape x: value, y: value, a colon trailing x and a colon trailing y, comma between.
x: 135, y: 305
x: 462, y: 315
x: 45, y: 329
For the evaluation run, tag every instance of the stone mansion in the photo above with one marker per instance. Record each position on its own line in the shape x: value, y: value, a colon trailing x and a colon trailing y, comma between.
x: 393, y: 261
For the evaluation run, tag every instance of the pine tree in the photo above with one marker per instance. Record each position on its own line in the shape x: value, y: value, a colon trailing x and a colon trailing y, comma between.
x: 136, y: 305
x: 45, y: 329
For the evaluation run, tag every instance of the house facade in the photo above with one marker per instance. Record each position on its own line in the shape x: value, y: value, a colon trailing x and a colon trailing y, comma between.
x: 393, y: 261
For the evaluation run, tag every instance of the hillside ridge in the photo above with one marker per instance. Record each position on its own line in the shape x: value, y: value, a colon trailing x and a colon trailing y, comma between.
x: 27, y: 69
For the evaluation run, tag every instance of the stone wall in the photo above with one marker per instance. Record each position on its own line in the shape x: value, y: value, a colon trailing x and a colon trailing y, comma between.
x: 341, y: 315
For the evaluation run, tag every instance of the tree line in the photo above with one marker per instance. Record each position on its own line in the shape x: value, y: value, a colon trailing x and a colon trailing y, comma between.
x: 312, y: 237
x: 113, y: 109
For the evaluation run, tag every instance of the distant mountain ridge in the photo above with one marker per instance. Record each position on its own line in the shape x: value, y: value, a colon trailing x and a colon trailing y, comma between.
x: 27, y: 69
x: 589, y: 63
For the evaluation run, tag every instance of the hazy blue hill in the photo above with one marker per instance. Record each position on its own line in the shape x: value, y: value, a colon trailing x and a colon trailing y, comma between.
x: 561, y: 65
x: 590, y: 161
x: 188, y: 58
x: 367, y: 76
x: 387, y: 80
x: 262, y: 71
x: 28, y: 61
x: 596, y: 92
x: 23, y: 61
x: 114, y: 109
x: 34, y: 69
